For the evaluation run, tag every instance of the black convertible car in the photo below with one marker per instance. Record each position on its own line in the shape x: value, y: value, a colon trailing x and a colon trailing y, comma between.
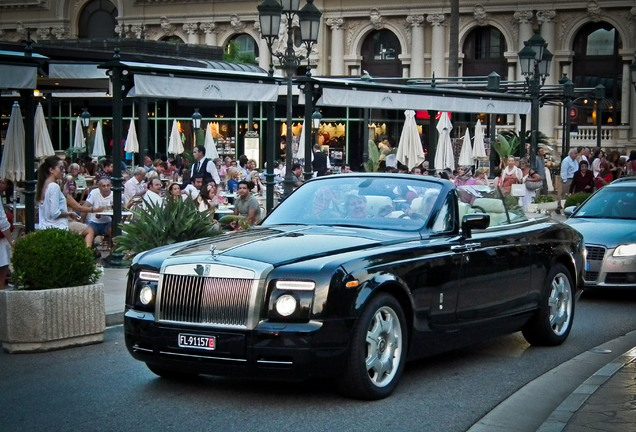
x: 348, y: 278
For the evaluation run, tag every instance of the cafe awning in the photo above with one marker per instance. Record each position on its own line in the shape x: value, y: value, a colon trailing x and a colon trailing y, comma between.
x: 351, y: 93
x: 19, y: 71
x: 174, y: 82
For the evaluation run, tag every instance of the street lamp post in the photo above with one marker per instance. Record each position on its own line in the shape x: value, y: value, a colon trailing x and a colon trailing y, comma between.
x: 568, y: 96
x: 85, y: 118
x: 270, y: 16
x: 599, y: 95
x: 196, y: 124
x: 535, y: 60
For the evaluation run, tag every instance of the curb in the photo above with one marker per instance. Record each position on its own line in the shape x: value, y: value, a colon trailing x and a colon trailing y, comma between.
x: 560, y: 417
x: 114, y: 319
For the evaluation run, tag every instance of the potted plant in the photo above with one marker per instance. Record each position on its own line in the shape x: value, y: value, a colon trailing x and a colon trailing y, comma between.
x: 55, y: 301
x: 545, y: 203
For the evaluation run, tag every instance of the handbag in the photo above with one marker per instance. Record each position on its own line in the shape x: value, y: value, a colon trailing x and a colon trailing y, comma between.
x: 518, y: 190
x: 534, y: 185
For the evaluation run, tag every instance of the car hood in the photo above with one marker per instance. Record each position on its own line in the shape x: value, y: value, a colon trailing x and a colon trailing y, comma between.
x: 607, y: 232
x: 275, y: 246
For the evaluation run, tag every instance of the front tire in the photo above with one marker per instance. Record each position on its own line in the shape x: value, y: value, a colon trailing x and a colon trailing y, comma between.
x: 378, y: 351
x: 552, y: 323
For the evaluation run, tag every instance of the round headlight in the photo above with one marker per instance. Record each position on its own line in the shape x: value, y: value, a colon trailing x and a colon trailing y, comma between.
x: 286, y: 305
x: 146, y: 295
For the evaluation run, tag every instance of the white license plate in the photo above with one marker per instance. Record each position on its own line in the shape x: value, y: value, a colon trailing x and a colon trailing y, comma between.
x: 186, y: 340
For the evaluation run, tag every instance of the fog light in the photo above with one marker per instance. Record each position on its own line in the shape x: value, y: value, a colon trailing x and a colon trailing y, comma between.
x: 286, y: 305
x: 146, y: 295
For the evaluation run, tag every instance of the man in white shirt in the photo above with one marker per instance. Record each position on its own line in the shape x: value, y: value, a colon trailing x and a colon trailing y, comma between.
x: 153, y: 195
x: 135, y: 186
x: 204, y: 167
x: 99, y: 199
x: 194, y: 188
x: 569, y: 166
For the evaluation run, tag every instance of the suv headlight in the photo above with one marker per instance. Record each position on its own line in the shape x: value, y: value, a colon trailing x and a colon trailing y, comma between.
x: 291, y: 300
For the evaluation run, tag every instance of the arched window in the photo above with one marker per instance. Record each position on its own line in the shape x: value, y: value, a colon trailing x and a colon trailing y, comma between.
x: 97, y: 20
x: 172, y: 39
x: 596, y: 61
x: 380, y: 54
x: 241, y: 48
x: 484, y: 53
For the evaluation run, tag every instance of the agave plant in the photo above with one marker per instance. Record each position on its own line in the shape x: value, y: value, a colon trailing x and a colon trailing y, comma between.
x: 505, y: 146
x: 376, y: 156
x: 159, y: 225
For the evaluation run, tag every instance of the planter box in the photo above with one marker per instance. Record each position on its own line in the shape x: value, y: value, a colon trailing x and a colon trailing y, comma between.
x: 548, y: 206
x: 51, y: 319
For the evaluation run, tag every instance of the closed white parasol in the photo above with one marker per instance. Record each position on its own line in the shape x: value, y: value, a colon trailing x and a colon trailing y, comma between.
x: 410, y: 152
x: 43, y: 144
x: 444, y: 157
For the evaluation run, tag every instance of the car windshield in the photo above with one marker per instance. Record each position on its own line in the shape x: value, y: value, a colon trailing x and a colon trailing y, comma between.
x: 379, y: 202
x: 617, y: 202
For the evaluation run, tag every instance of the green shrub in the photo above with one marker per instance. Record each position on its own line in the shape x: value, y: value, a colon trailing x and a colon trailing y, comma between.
x: 157, y: 225
x: 53, y: 258
x: 576, y: 199
x: 543, y: 199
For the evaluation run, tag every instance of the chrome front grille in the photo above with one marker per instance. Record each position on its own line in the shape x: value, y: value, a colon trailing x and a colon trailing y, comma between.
x: 217, y: 301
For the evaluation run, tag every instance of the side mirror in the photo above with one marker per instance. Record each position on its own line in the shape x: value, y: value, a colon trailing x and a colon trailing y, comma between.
x: 569, y: 210
x: 474, y: 221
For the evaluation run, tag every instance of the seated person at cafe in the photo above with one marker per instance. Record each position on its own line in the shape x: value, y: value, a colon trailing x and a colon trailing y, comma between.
x: 194, y: 188
x: 153, y: 196
x: 98, y: 199
x: 245, y: 204
x: 135, y: 186
x: 297, y: 174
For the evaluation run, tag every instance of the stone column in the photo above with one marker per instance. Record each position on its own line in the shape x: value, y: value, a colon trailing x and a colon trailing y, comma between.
x: 192, y: 30
x: 416, y: 22
x: 625, y: 94
x: 549, y: 115
x: 209, y: 29
x: 438, y: 45
x: 524, y: 18
x: 337, y: 46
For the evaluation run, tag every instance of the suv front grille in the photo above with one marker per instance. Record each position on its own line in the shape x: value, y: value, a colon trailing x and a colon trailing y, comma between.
x: 595, y: 253
x: 205, y: 300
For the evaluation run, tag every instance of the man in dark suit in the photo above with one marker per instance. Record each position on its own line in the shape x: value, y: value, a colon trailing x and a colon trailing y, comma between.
x: 203, y: 166
x: 319, y: 164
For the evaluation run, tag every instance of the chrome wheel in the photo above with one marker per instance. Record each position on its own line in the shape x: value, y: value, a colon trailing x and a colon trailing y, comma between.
x: 378, y: 350
x: 551, y: 323
x: 384, y: 346
x: 560, y: 304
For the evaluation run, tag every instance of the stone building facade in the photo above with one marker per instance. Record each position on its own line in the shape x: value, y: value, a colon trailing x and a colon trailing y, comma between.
x: 593, y: 43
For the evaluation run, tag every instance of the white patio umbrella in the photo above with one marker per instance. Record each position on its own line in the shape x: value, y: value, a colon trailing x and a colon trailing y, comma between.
x: 98, y: 145
x: 12, y: 165
x: 410, y: 152
x: 78, y: 141
x: 479, y: 150
x: 444, y: 157
x: 466, y: 154
x: 175, y: 146
x: 132, y: 143
x: 300, y: 150
x: 209, y: 144
x: 43, y: 144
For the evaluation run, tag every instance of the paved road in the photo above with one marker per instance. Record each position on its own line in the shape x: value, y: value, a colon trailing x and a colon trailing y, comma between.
x: 100, y: 388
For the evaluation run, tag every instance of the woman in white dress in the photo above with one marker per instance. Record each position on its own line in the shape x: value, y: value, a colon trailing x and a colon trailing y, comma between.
x: 6, y: 243
x: 52, y: 209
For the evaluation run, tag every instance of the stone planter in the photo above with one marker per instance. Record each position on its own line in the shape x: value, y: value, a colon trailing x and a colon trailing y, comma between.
x: 547, y: 206
x: 51, y: 319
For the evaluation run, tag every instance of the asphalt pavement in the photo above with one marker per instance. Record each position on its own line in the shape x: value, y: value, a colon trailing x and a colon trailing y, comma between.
x: 594, y: 391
